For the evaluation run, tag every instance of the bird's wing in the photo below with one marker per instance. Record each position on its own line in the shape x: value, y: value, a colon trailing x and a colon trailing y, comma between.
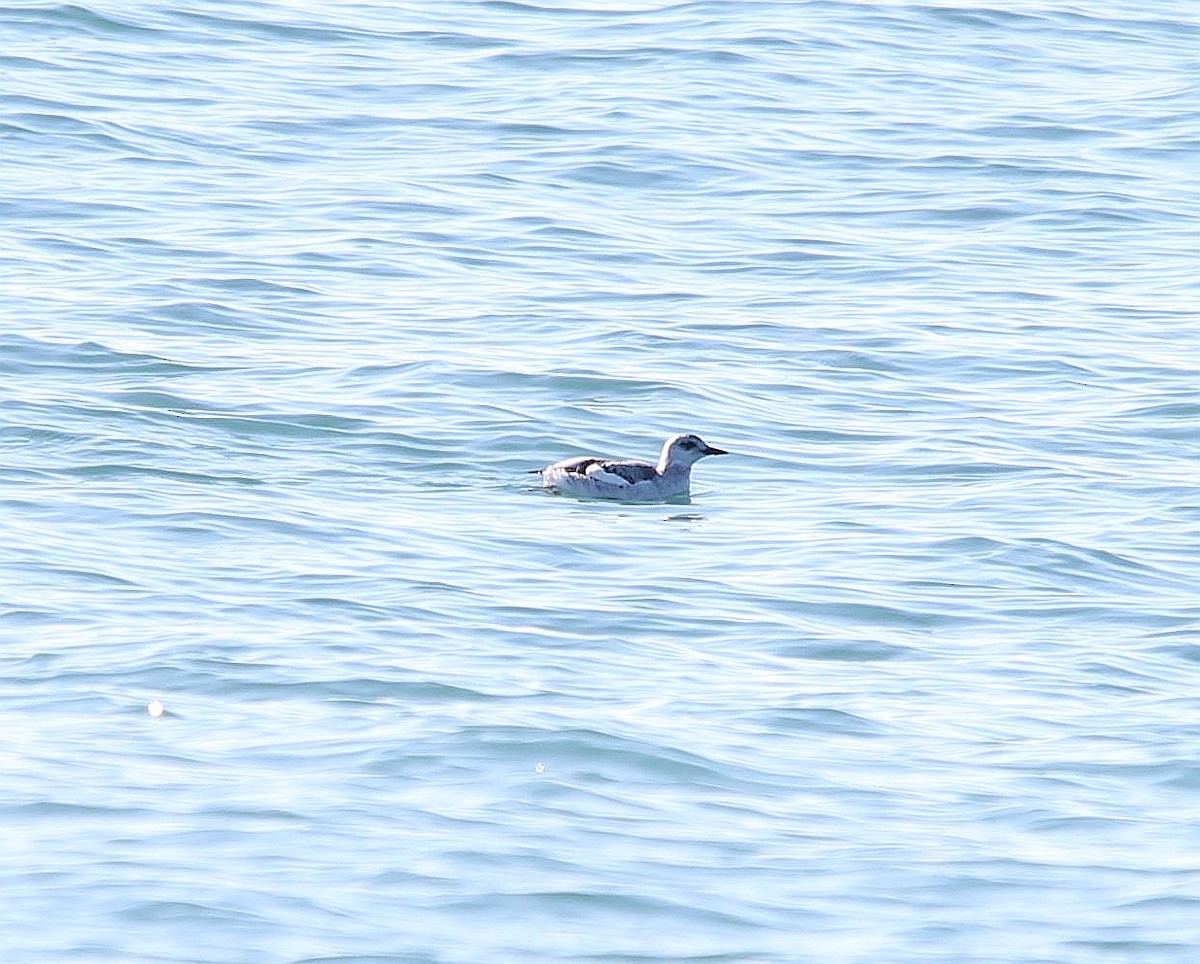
x: 577, y: 466
x: 621, y: 473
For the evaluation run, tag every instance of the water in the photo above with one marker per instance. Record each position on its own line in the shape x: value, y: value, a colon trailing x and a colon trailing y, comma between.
x: 294, y: 294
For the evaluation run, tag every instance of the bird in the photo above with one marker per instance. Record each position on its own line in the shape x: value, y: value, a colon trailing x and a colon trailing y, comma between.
x: 628, y: 481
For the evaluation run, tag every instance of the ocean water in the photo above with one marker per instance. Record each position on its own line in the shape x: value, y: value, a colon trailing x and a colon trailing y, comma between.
x: 294, y: 294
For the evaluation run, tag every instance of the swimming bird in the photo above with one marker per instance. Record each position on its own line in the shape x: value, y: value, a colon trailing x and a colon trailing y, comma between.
x: 595, y: 478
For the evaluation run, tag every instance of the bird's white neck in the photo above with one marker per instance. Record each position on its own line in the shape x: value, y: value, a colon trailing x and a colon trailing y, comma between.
x: 673, y: 469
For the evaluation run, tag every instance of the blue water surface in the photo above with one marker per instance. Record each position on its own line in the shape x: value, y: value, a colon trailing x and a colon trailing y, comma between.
x: 293, y: 295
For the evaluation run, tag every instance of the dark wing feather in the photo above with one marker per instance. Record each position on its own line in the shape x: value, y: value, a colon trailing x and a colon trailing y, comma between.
x: 577, y: 466
x: 631, y: 472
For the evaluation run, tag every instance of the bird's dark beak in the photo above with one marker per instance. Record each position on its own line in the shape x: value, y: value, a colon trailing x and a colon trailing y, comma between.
x: 709, y: 450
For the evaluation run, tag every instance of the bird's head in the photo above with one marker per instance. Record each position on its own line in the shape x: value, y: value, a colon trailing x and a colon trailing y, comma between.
x: 686, y: 450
